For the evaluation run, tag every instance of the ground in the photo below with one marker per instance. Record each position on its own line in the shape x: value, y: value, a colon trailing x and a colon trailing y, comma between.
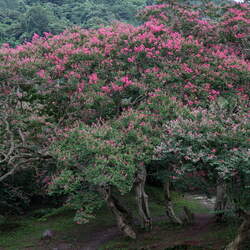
x: 25, y: 233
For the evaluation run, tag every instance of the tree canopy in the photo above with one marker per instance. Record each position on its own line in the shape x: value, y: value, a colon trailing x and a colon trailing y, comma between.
x: 91, y: 109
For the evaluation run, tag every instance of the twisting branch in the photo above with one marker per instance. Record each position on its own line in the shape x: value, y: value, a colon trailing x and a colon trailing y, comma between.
x: 12, y: 144
x: 21, y: 135
x: 16, y: 153
x: 17, y: 167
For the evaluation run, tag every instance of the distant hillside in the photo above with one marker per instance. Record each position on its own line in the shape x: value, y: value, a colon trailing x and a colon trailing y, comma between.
x: 20, y: 19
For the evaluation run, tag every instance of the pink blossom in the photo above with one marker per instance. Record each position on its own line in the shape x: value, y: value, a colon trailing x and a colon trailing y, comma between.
x: 186, y: 68
x: 214, y: 92
x: 190, y: 102
x: 212, y: 97
x: 5, y: 45
x: 41, y: 73
x: 131, y: 59
x: 93, y: 78
x: 240, y: 35
x: 80, y: 87
x: 106, y: 89
x: 35, y: 37
x: 115, y: 87
x: 47, y: 34
x: 126, y: 80
x: 139, y: 48
x: 189, y: 85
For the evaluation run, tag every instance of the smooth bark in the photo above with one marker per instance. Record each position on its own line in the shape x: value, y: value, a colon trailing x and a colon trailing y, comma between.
x: 221, y: 201
x: 142, y: 198
x: 189, y: 216
x: 169, y: 205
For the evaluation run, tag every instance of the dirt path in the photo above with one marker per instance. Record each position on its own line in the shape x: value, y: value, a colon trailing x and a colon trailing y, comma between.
x: 202, y: 199
x: 97, y: 239
x: 200, y: 224
x: 102, y: 237
x: 201, y: 221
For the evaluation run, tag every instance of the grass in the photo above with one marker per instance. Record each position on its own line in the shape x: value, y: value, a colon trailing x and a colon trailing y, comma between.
x: 22, y: 232
x: 221, y: 232
x: 179, y: 202
x: 163, y: 230
x: 28, y: 230
x: 25, y: 232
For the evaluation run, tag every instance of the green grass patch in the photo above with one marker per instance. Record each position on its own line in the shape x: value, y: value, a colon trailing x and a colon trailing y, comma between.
x: 226, y: 231
x: 17, y: 233
x: 179, y: 201
x: 20, y: 232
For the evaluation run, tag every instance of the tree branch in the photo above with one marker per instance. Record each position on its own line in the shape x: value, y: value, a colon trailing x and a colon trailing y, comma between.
x: 16, y: 167
x: 12, y: 144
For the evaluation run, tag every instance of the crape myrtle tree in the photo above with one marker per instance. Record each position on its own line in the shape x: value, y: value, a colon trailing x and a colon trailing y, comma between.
x: 82, y: 82
x: 212, y: 143
x: 227, y: 31
x: 22, y: 149
x: 106, y: 156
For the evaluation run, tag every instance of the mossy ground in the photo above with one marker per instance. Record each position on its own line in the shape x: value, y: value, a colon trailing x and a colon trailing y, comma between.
x: 25, y: 232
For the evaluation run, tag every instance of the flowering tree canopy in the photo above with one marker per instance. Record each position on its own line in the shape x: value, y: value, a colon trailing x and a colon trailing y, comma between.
x: 103, y: 96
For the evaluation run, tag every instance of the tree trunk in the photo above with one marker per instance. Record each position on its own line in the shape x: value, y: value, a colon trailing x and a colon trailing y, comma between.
x: 189, y: 216
x: 242, y: 240
x: 169, y: 205
x: 142, y: 198
x: 121, y: 214
x: 221, y: 201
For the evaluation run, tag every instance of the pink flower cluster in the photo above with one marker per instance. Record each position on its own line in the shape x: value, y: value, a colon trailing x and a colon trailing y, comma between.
x: 163, y: 53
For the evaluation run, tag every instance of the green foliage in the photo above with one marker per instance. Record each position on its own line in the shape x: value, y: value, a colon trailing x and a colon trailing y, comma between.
x: 211, y: 145
x: 35, y: 21
x: 96, y: 101
x: 19, y: 20
x: 26, y: 231
x: 101, y: 154
x: 8, y: 4
x: 20, y: 137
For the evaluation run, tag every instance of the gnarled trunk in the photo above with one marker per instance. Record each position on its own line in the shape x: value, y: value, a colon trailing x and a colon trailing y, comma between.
x: 169, y: 205
x: 242, y: 239
x: 221, y: 201
x: 189, y: 216
x: 142, y: 198
x: 121, y: 214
